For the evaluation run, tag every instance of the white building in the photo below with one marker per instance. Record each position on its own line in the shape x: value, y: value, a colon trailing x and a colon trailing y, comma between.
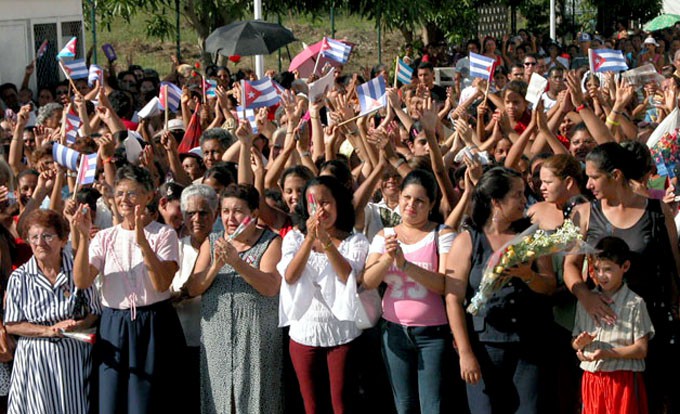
x: 24, y: 25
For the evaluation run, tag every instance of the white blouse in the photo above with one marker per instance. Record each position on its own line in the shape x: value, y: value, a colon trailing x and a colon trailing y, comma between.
x: 320, y: 309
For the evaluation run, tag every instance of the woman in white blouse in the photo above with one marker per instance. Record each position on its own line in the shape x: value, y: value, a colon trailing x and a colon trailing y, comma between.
x: 320, y: 263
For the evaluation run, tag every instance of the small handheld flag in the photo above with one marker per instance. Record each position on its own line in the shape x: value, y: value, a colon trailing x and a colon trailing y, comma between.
x: 372, y: 95
x: 210, y: 86
x: 87, y: 169
x: 250, y: 116
x: 69, y: 50
x: 42, y: 49
x: 260, y: 93
x: 73, y: 123
x: 75, y: 69
x: 65, y: 156
x: 404, y: 72
x: 96, y: 74
x: 335, y: 50
x: 174, y: 94
x: 606, y: 60
x: 481, y: 66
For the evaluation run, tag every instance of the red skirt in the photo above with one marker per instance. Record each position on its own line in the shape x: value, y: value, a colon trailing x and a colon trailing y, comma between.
x: 618, y: 392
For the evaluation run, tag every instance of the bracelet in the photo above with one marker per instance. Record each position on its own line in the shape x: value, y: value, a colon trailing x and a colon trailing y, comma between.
x: 107, y: 160
x: 580, y: 107
x: 328, y: 245
x: 617, y: 112
x: 72, y: 174
x: 612, y: 123
x: 305, y: 154
x: 399, y: 162
x: 314, y: 117
x: 530, y: 281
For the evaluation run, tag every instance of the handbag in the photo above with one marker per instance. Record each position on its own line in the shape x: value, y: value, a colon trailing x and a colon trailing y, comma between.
x: 369, y: 308
x: 7, y: 346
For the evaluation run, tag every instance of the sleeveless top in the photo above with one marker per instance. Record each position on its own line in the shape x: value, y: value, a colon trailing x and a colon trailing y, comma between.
x: 651, y: 264
x: 514, y: 313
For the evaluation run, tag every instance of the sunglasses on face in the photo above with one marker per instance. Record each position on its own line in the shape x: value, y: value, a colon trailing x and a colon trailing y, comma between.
x: 530, y: 63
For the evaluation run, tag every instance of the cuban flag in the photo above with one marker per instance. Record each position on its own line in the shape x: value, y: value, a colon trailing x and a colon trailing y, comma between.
x: 481, y: 66
x: 174, y: 96
x: 42, y: 49
x: 75, y: 69
x: 65, y: 156
x: 259, y: 93
x: 87, y: 169
x: 96, y: 74
x: 69, y: 50
x: 73, y: 123
x: 372, y: 95
x: 606, y: 60
x: 404, y: 72
x: 335, y: 50
x: 209, y: 88
x: 250, y: 116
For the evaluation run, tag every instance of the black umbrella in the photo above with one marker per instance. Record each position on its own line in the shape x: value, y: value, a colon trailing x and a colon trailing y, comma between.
x: 248, y: 38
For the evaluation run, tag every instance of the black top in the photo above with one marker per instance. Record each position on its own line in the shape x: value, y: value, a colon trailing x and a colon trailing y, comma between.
x: 515, y: 313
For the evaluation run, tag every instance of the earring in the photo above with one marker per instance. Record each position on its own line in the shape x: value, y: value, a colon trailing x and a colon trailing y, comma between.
x: 495, y: 216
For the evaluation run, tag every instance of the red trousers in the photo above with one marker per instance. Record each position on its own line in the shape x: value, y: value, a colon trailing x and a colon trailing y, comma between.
x: 323, y: 375
x: 618, y: 392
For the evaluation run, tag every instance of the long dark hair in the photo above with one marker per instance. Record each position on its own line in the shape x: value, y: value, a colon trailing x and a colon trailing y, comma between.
x: 611, y: 156
x: 343, y: 204
x: 495, y: 184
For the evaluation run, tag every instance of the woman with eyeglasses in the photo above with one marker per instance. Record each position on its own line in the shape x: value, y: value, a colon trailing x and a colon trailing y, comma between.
x: 140, y: 338
x: 51, y: 372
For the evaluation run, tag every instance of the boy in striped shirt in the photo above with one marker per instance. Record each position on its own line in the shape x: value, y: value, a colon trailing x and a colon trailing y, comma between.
x: 613, y: 356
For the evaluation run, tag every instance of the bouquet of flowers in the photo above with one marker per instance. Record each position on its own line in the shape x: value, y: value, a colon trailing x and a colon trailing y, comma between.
x: 529, y: 245
x: 666, y: 152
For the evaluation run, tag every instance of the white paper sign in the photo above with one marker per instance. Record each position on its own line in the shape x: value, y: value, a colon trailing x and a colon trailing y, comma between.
x: 133, y: 149
x: 151, y: 109
x: 319, y: 88
x: 537, y: 86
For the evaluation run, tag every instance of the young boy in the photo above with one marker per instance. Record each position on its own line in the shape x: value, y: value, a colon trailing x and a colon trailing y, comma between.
x: 613, y: 356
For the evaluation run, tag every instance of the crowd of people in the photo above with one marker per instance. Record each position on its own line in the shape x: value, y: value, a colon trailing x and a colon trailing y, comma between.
x: 235, y: 275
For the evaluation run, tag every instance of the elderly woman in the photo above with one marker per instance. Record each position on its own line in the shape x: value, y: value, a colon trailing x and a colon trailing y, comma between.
x: 140, y: 338
x: 50, y: 372
x: 199, y: 206
x: 241, y: 345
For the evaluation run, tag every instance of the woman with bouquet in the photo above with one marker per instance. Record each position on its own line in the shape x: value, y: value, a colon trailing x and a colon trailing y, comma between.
x: 501, y: 349
x: 646, y: 225
x: 241, y: 344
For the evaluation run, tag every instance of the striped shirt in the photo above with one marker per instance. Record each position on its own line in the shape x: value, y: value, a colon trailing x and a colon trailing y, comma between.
x: 50, y: 375
x: 632, y: 323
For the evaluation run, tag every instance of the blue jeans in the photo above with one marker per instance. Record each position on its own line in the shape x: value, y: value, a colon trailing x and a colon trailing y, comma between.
x: 511, y: 379
x: 415, y: 357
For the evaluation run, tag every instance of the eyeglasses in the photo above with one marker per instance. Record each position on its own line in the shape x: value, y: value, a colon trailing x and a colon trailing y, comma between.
x: 46, y: 237
x: 132, y: 195
x: 530, y: 63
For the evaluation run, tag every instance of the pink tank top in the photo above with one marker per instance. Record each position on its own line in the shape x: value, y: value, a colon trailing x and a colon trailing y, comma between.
x: 407, y: 302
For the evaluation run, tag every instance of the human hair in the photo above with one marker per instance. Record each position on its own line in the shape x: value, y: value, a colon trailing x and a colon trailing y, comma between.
x: 611, y: 156
x: 46, y: 112
x: 47, y: 219
x: 494, y: 184
x: 171, y: 191
x: 139, y: 175
x: 339, y: 170
x: 554, y: 69
x: 6, y: 175
x: 486, y: 39
x: 28, y: 171
x: 296, y: 171
x: 565, y: 165
x: 473, y: 42
x: 224, y: 137
x: 122, y: 103
x: 613, y: 249
x: 642, y: 156
x: 245, y: 192
x: 517, y: 86
x: 199, y: 190
x: 8, y: 86
x: 89, y: 196
x: 426, y: 65
x: 221, y: 173
x: 377, y: 69
x: 343, y: 203
x: 285, y: 79
x: 581, y: 126
x: 44, y: 150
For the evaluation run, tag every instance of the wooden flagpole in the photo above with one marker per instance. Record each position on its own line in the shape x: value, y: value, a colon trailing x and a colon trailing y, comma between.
x: 167, y: 107
x: 70, y: 81
x: 358, y: 116
x: 205, y: 98
x: 396, y: 70
x: 243, y: 97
